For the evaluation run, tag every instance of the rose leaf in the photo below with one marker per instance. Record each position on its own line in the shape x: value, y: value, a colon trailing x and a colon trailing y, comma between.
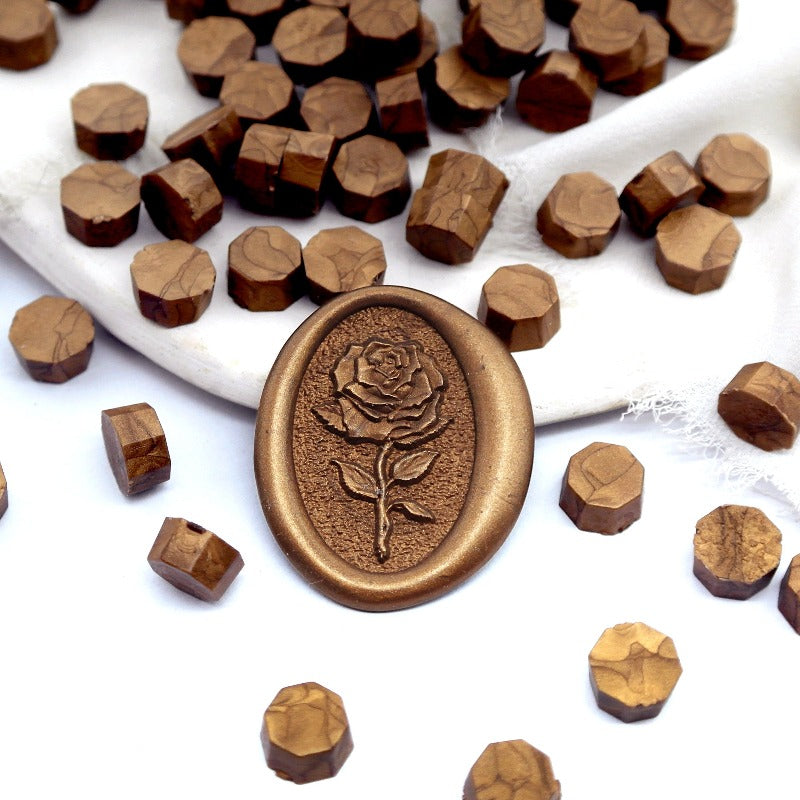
x: 357, y: 481
x: 414, y: 510
x: 413, y: 466
x: 330, y: 414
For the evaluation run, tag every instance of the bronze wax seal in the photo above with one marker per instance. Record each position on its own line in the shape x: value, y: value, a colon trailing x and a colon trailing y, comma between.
x: 393, y: 447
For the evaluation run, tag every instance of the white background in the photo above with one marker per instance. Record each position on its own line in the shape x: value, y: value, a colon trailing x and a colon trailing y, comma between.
x: 114, y: 683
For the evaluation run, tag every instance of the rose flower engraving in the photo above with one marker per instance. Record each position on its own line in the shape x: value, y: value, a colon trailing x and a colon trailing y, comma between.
x: 388, y: 393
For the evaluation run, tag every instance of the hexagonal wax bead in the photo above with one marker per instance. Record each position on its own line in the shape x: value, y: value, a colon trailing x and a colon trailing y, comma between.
x: 602, y: 488
x: 193, y: 559
x: 736, y: 171
x: 520, y: 304
x: 136, y: 447
x: 172, y: 282
x: 761, y: 405
x: 699, y: 28
x: 736, y: 551
x: 100, y: 202
x: 265, y: 269
x: 663, y: 185
x: 370, y: 179
x: 580, y: 215
x: 513, y: 768
x: 633, y: 669
x: 305, y: 733
x: 789, y: 595
x: 695, y: 248
x: 52, y: 338
x: 338, y: 106
x: 557, y: 92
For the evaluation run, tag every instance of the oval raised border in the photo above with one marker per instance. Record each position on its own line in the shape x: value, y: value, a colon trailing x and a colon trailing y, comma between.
x: 501, y: 473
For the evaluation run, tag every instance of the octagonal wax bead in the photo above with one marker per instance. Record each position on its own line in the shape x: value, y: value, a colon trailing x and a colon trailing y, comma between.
x: 261, y: 16
x: 520, y: 305
x: 311, y: 43
x: 699, y: 28
x: 633, y: 669
x: 789, y: 595
x: 260, y: 93
x: 459, y: 97
x: 557, y: 93
x: 579, y: 216
x: 602, y: 488
x: 100, y: 202
x: 193, y: 559
x: 305, y: 733
x: 172, y: 282
x: 383, y: 34
x: 370, y: 179
x: 736, y: 551
x: 761, y: 405
x: 304, y: 166
x: 339, y: 107
x: 736, y: 172
x: 663, y: 185
x: 402, y: 111
x: 136, y: 447
x: 501, y: 38
x: 182, y: 199
x: 3, y: 492
x: 265, y: 269
x: 52, y: 338
x: 513, y: 768
x: 609, y: 36
x: 695, y: 248
x: 340, y: 260
x: 422, y: 62
x: 211, y: 47
x: 651, y: 73
x: 110, y: 120
x: 28, y: 34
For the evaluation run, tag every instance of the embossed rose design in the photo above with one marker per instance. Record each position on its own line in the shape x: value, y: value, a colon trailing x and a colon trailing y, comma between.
x: 389, y: 393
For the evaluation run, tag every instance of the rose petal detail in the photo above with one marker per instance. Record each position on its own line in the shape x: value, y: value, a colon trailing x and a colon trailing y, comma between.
x: 330, y: 414
x: 344, y: 372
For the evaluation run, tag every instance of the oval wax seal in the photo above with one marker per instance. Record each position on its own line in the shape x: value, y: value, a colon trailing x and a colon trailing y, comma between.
x: 393, y: 447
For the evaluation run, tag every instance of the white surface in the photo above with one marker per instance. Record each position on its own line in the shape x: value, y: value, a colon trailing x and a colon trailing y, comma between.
x: 112, y: 682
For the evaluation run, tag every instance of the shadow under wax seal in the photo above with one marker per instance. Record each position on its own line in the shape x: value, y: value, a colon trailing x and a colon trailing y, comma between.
x: 393, y: 447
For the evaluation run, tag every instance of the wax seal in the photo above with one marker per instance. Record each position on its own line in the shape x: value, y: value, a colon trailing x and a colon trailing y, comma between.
x: 393, y: 447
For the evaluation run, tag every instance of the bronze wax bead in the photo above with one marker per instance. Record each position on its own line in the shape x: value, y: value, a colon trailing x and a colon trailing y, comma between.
x: 422, y: 62
x: 182, y: 199
x: 699, y: 28
x: 663, y: 185
x: 520, y: 304
x: 501, y: 37
x: 467, y: 173
x: 311, y: 43
x: 383, y: 34
x: 187, y: 10
x: 261, y: 16
x: 736, y: 551
x: 193, y: 559
x: 338, y: 106
x: 212, y: 140
x: 100, y: 202
x: 212, y: 47
x: 762, y: 406
x: 136, y: 447
x: 370, y: 179
x: 258, y: 165
x: 110, y: 120
x: 602, y: 488
x: 402, y: 111
x: 633, y: 669
x: 514, y: 768
x: 580, y: 215
x: 260, y: 92
x: 561, y: 11
x: 651, y: 73
x: 27, y: 34
x: 172, y: 282
x: 609, y: 36
x: 695, y: 247
x: 789, y: 595
x: 3, y: 492
x: 736, y: 172
x: 339, y: 260
x: 265, y: 269
x: 305, y: 733
x: 52, y: 338
x: 459, y: 97
x: 556, y: 94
